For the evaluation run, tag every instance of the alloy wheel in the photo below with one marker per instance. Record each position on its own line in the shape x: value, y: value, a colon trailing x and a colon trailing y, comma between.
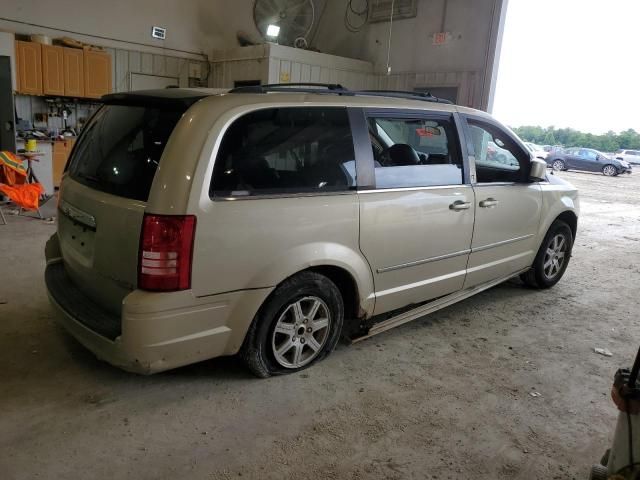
x: 609, y: 170
x: 555, y: 256
x: 301, y: 332
x: 558, y: 165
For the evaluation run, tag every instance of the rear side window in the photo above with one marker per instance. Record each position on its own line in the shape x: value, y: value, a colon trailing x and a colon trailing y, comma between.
x: 286, y: 151
x: 414, y: 152
x: 119, y: 150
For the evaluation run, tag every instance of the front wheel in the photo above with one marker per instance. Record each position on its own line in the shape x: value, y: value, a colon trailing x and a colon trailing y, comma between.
x: 558, y: 165
x: 609, y: 170
x: 298, y: 325
x: 552, y: 258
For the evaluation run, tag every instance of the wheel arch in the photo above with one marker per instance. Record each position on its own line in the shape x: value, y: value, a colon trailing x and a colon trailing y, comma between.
x: 342, y: 264
x: 561, y: 202
x: 348, y: 288
x: 570, y: 218
x: 354, y: 309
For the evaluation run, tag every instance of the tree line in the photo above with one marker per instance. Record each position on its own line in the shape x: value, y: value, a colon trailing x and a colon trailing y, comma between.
x: 568, y: 137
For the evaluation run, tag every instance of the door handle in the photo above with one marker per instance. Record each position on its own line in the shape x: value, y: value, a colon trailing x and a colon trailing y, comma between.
x: 489, y: 203
x: 459, y: 205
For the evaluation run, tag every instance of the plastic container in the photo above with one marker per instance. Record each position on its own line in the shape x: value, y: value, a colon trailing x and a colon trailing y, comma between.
x: 44, y: 39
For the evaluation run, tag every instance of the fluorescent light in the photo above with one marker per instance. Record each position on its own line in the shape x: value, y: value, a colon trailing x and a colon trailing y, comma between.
x: 273, y: 30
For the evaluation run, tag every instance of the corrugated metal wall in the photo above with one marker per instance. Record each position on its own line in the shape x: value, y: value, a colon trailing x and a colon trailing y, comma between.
x: 126, y: 62
x: 468, y: 83
x: 277, y: 64
x: 291, y: 71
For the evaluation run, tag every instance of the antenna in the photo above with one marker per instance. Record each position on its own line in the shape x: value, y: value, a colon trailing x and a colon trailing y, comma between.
x: 389, y: 42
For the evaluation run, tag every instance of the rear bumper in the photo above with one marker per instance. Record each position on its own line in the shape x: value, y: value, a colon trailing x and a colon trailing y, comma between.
x: 158, y: 331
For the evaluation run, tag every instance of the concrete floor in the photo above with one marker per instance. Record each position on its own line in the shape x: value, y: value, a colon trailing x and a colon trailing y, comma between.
x: 447, y: 396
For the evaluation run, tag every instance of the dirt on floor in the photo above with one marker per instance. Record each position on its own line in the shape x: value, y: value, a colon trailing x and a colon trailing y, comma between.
x: 450, y: 396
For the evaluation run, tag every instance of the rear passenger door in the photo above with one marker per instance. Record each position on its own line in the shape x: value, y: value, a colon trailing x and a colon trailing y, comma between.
x: 508, y: 207
x: 282, y: 198
x: 416, y: 218
x: 572, y: 159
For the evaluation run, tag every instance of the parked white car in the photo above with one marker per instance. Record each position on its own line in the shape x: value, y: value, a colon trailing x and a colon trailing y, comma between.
x: 537, y: 150
x: 630, y: 156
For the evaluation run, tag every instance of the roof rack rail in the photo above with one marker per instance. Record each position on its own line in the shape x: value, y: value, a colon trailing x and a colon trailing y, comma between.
x: 336, y: 88
x: 294, y: 87
x: 405, y: 94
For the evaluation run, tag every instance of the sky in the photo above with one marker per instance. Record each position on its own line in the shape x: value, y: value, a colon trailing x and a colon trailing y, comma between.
x: 570, y: 63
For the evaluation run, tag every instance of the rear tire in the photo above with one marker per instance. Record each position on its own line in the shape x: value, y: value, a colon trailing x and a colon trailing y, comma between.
x: 552, y: 258
x: 599, y: 472
x: 558, y: 165
x: 609, y: 171
x: 297, y: 326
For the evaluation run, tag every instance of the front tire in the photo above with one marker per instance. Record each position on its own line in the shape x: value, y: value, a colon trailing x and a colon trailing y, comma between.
x: 609, y: 171
x: 558, y: 165
x: 552, y: 258
x: 298, y: 325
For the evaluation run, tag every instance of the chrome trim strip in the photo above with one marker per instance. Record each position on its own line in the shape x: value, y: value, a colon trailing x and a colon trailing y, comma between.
x: 497, y: 184
x: 77, y: 215
x: 452, y: 255
x: 499, y: 244
x: 411, y: 189
x: 421, y: 262
x: 498, y: 262
x: 281, y: 195
x: 420, y: 284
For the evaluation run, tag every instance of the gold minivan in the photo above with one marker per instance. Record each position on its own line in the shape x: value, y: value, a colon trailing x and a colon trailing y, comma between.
x: 270, y: 221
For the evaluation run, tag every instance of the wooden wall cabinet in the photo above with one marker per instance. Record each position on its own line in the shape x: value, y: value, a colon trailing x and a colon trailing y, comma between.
x: 52, y: 70
x: 62, y: 71
x: 97, y: 73
x: 61, y: 152
x: 29, y: 66
x: 73, y: 72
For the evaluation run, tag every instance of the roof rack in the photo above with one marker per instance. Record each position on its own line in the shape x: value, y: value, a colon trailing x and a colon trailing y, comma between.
x: 426, y: 96
x: 295, y: 87
x: 337, y: 89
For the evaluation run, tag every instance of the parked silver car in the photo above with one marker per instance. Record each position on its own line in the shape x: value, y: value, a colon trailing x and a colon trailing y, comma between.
x: 269, y: 222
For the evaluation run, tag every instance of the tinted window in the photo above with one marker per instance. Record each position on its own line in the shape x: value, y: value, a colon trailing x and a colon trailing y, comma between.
x: 286, y: 150
x: 119, y: 150
x: 498, y: 157
x: 588, y: 154
x: 416, y: 152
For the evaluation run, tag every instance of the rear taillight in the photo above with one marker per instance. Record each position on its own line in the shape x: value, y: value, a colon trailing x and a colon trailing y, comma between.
x: 166, y: 251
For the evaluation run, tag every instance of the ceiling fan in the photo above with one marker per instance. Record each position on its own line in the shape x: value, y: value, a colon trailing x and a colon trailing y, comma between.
x: 287, y: 22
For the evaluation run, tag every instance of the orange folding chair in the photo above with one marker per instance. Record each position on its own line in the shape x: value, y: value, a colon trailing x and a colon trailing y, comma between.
x: 14, y: 184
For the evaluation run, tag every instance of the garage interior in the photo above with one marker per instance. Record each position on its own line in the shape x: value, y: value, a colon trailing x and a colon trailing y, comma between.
x: 503, y: 385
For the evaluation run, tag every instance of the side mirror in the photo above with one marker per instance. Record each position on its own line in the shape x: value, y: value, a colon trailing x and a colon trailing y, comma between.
x: 537, y: 170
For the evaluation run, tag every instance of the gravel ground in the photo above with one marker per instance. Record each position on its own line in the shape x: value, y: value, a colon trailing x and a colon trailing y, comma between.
x: 447, y: 396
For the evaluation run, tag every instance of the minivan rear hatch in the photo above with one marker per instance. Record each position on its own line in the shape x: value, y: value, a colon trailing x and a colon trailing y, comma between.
x: 107, y: 183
